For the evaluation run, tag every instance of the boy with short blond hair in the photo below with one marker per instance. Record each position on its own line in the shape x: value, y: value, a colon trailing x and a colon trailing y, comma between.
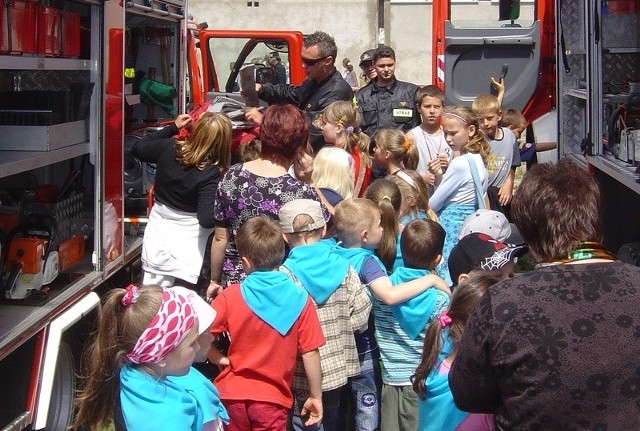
x: 270, y: 320
x: 341, y: 301
x: 505, y: 154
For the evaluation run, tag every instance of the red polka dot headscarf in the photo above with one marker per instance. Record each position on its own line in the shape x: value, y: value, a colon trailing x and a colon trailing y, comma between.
x: 167, y: 329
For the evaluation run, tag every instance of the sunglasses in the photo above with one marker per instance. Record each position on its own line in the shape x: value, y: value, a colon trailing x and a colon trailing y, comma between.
x: 313, y: 61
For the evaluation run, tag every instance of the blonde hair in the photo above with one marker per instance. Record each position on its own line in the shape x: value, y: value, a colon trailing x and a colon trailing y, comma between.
x: 477, y: 143
x: 333, y: 169
x: 208, y: 144
x: 403, y: 150
x: 119, y: 328
x: 345, y: 114
x: 353, y: 216
x: 485, y: 102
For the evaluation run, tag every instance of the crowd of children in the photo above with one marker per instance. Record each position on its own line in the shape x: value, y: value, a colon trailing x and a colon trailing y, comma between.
x: 339, y: 295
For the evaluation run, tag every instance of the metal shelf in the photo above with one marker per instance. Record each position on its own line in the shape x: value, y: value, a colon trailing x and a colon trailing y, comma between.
x: 623, y: 172
x: 14, y: 162
x: 23, y: 62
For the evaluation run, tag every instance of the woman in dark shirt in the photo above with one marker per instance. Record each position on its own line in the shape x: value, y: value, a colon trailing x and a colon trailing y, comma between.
x: 187, y: 176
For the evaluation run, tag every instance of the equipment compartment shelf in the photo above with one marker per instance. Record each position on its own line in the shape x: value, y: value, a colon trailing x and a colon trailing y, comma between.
x: 22, y: 62
x: 15, y: 162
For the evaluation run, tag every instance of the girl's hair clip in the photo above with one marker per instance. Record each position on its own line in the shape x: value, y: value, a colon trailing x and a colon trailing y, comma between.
x: 444, y: 319
x: 131, y: 295
x: 350, y: 129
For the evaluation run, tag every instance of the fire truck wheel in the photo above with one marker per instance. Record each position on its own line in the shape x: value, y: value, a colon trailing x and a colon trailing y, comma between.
x: 62, y: 393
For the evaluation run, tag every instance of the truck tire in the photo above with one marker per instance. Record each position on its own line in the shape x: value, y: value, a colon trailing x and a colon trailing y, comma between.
x: 63, y: 391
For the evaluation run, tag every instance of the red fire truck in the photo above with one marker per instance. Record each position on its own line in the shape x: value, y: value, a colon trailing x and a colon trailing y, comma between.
x: 72, y: 77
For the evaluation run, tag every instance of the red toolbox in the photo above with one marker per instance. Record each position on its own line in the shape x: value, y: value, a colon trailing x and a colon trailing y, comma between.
x: 70, y: 34
x: 49, y: 32
x: 20, y: 15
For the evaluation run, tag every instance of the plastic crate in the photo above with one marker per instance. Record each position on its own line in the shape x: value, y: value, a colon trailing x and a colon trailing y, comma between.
x: 22, y: 17
x: 49, y: 33
x: 70, y: 34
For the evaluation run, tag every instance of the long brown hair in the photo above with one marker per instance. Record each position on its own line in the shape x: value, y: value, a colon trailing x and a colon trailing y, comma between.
x: 118, y: 331
x: 464, y: 300
x: 208, y: 144
x: 386, y: 194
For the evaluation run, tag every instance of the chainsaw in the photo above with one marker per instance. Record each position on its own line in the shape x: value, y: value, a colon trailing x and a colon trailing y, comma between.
x: 34, y: 258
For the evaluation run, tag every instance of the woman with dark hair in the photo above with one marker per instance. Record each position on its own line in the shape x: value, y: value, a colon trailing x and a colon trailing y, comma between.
x: 556, y: 347
x: 258, y: 187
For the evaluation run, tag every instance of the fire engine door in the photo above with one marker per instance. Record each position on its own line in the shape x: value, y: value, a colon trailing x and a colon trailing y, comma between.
x: 480, y: 44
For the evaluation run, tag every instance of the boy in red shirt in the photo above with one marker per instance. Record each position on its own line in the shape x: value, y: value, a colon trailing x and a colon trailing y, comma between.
x: 270, y: 321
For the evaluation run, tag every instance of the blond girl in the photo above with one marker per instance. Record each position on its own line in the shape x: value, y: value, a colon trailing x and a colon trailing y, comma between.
x: 333, y: 174
x: 340, y: 124
x: 457, y: 194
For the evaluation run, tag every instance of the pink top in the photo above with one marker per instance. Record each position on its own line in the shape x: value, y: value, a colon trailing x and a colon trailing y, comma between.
x: 475, y: 421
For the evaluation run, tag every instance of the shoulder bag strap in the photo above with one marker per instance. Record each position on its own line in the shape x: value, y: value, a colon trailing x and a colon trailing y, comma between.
x: 476, y: 181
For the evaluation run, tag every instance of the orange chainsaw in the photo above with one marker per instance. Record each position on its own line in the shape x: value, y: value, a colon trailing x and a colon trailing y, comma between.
x: 34, y: 258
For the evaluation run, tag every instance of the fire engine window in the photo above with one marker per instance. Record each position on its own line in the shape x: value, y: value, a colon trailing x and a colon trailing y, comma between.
x: 270, y: 58
x: 486, y: 14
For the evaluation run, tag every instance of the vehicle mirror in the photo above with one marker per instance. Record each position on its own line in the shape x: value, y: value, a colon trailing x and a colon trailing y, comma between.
x: 509, y: 10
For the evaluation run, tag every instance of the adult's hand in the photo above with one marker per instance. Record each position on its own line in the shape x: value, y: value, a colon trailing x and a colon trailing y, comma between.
x: 253, y: 115
x: 182, y: 120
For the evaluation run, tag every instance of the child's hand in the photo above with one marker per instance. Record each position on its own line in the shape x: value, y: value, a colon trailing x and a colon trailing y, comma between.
x: 215, y: 356
x: 436, y: 166
x: 498, y: 86
x: 213, y: 290
x: 429, y: 178
x: 505, y: 193
x: 182, y: 120
x: 313, y: 407
x: 439, y: 283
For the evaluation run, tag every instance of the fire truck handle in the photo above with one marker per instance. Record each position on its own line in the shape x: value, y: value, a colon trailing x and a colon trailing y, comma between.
x: 503, y: 72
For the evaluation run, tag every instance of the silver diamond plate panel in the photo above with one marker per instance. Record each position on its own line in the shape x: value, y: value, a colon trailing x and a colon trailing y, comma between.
x: 621, y: 68
x: 573, y: 124
x: 573, y: 29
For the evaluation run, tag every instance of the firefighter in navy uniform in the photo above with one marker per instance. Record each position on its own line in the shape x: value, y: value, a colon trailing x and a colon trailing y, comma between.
x: 386, y: 102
